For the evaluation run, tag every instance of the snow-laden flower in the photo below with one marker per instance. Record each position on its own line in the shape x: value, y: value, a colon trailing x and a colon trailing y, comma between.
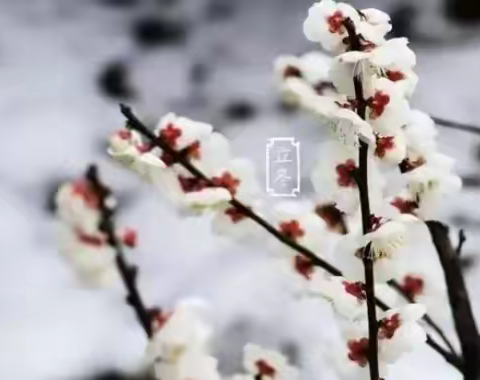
x: 379, y: 21
x: 179, y: 345
x: 325, y: 24
x: 334, y: 181
x: 206, y: 151
x: 347, y: 298
x: 399, y: 331
x: 386, y: 239
x: 426, y: 185
x: 420, y: 133
x: 90, y: 255
x: 78, y: 206
x: 393, y: 60
x: 391, y: 149
x: 303, y: 76
x: 191, y: 365
x: 387, y: 109
x: 300, y: 224
x: 267, y: 364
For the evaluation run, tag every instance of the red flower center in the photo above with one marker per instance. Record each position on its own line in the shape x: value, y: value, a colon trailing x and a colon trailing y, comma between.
x: 395, y: 75
x: 83, y: 189
x: 170, y: 135
x: 413, y: 286
x: 292, y: 229
x: 228, y: 181
x: 124, y: 134
x: 388, y: 326
x: 265, y: 369
x: 358, y: 351
x: 191, y: 184
x: 333, y: 217
x: 335, y: 22
x: 407, y: 165
x: 304, y: 266
x: 377, y: 104
x: 405, y: 206
x: 292, y: 71
x: 356, y: 289
x: 130, y: 238
x: 344, y: 173
x: 375, y: 222
x: 235, y: 214
x: 92, y: 240
x: 383, y: 145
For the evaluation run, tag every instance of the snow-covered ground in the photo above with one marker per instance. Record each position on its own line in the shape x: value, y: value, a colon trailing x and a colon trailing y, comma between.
x: 55, y: 121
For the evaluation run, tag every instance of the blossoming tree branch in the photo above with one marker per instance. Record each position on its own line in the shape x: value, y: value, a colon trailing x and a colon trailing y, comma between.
x: 378, y: 183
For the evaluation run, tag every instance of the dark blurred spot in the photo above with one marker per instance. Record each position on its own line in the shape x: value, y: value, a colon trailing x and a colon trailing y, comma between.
x: 464, y: 11
x: 119, y: 3
x: 150, y: 32
x: 240, y: 110
x: 199, y: 72
x: 471, y: 181
x: 291, y: 351
x: 403, y: 18
x: 219, y: 10
x: 166, y: 3
x: 467, y: 262
x: 119, y: 376
x: 114, y: 81
x: 286, y: 107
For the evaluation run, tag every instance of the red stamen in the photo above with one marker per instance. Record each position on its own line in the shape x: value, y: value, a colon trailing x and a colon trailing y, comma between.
x: 83, y: 189
x: 94, y: 241
x: 265, y: 369
x: 292, y: 229
x: 377, y: 104
x: 413, y: 286
x: 228, y: 181
x: 383, y: 145
x: 304, y: 266
x: 358, y: 351
x: 356, y: 289
x: 388, y: 326
x: 405, y: 206
x: 191, y: 184
x: 235, y: 214
x: 130, y: 238
x: 124, y: 134
x: 344, y: 173
x: 170, y: 135
x: 395, y: 75
x: 335, y: 22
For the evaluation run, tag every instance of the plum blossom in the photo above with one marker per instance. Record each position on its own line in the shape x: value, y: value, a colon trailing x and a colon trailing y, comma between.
x: 207, y: 151
x: 334, y: 177
x: 325, y: 24
x: 179, y: 345
x: 267, y: 364
x: 399, y: 331
x: 304, y: 77
x: 81, y: 241
x: 387, y: 238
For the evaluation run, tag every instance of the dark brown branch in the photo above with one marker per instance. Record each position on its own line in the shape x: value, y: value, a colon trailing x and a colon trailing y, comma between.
x: 135, y: 124
x: 361, y: 176
x: 128, y: 272
x: 455, y: 125
x: 461, y: 241
x: 463, y: 317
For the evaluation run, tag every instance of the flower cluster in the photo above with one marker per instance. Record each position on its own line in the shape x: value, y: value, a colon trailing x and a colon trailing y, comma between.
x: 82, y: 241
x: 362, y: 93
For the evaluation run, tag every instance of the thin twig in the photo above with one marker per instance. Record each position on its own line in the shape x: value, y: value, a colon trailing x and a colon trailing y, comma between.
x: 128, y: 272
x: 463, y: 317
x: 462, y: 238
x: 458, y: 126
x: 135, y: 124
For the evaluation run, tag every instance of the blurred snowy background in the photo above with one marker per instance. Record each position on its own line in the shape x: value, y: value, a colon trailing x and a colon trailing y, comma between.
x: 65, y: 65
